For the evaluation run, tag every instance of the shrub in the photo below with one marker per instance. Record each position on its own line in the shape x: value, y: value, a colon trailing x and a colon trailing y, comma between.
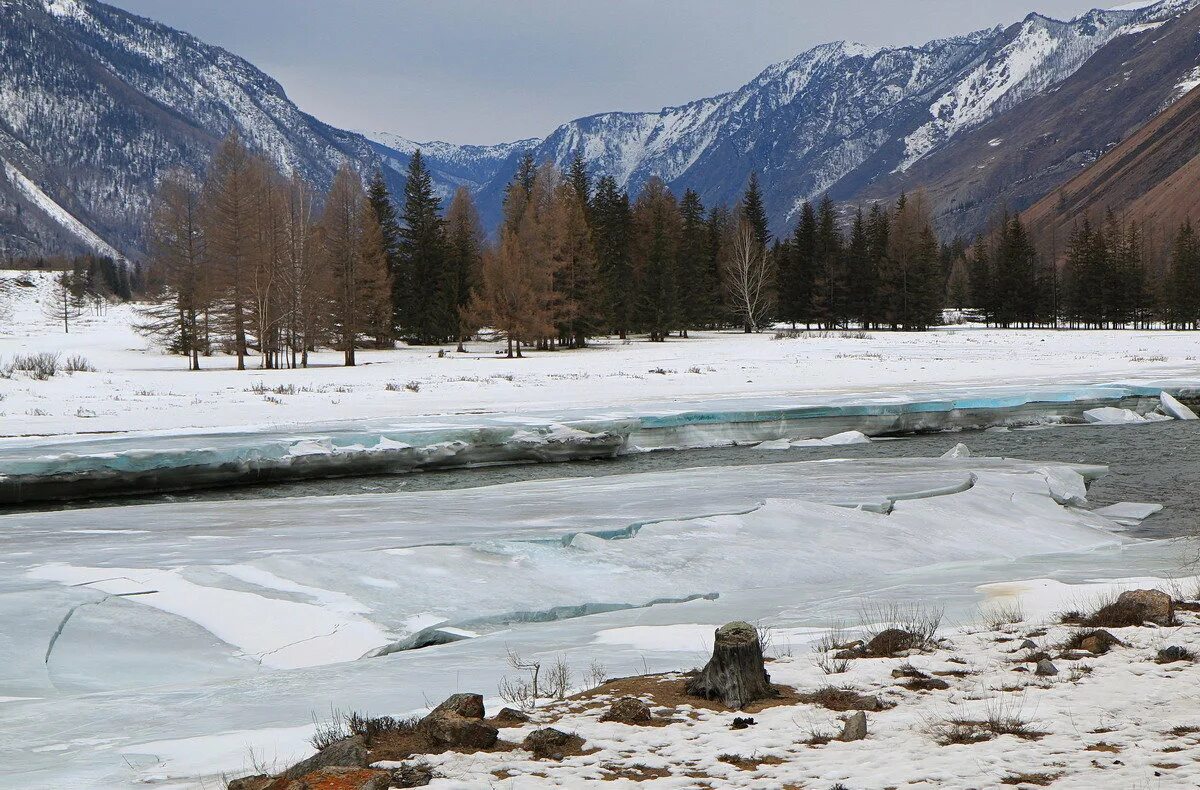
x: 77, y: 363
x: 39, y: 366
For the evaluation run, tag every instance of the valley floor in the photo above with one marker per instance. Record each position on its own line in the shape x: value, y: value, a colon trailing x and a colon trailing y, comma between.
x: 138, y: 387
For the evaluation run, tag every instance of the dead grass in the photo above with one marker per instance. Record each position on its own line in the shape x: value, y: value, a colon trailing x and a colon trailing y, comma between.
x: 1111, y: 748
x: 1041, y: 780
x: 1001, y: 716
x: 750, y: 763
x: 843, y: 699
x: 632, y: 773
x: 666, y: 691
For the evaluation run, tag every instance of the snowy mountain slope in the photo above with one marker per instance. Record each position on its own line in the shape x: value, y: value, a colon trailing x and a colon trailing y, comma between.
x: 450, y: 165
x: 840, y: 116
x: 99, y: 103
x: 1021, y: 156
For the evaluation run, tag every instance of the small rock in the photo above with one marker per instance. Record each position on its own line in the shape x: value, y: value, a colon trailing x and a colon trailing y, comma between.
x: 510, y: 717
x: 347, y: 753
x: 469, y: 706
x: 1099, y: 642
x: 855, y: 727
x: 1169, y: 655
x: 925, y: 684
x: 1045, y: 668
x: 1028, y: 644
x: 742, y: 722
x: 412, y: 775
x: 628, y: 710
x: 1157, y: 606
x: 551, y: 744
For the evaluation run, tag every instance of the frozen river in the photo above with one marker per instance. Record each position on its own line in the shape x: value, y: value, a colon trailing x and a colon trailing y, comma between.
x: 167, y: 641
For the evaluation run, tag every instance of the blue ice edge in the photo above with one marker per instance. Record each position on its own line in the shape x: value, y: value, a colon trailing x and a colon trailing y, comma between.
x: 63, y: 469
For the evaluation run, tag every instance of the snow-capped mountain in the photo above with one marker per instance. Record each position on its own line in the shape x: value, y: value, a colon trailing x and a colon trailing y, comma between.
x: 840, y: 116
x: 98, y: 103
x: 450, y: 165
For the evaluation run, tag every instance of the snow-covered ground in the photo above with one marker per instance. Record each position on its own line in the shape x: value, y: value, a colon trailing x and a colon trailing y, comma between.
x: 139, y: 388
x: 165, y: 645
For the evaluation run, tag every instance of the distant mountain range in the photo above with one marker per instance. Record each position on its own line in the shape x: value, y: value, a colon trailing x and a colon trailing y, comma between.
x: 96, y: 104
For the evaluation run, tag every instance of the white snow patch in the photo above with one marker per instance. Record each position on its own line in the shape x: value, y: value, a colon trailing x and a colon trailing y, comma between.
x: 56, y: 212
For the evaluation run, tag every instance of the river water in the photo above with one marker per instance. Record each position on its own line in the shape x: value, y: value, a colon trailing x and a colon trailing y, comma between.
x: 1156, y: 462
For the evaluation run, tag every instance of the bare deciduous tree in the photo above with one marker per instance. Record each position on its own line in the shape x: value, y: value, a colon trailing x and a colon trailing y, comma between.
x: 748, y: 274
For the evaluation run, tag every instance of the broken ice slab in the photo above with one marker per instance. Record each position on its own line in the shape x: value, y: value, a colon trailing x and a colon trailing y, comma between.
x: 1173, y: 408
x: 1129, y: 514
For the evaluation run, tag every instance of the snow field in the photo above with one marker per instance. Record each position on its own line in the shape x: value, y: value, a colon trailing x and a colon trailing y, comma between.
x: 137, y: 388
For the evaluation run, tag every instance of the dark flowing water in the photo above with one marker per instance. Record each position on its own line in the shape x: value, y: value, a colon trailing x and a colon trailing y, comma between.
x: 1159, y: 462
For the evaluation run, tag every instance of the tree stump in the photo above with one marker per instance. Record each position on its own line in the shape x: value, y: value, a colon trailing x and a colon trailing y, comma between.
x: 735, y: 676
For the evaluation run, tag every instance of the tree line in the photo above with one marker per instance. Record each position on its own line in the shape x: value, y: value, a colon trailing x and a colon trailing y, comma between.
x: 252, y: 262
x: 1109, y: 275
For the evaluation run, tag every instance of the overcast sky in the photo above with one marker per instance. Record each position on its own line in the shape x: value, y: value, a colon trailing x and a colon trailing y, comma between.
x: 486, y: 71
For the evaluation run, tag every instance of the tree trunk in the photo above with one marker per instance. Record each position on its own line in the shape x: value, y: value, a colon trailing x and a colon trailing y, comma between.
x: 735, y: 675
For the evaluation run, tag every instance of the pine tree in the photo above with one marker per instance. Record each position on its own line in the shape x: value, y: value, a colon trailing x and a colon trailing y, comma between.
x: 577, y: 278
x: 656, y: 244
x: 860, y: 273
x: 878, y: 241
x: 829, y: 284
x: 582, y: 182
x: 797, y: 270
x: 1184, y: 290
x: 431, y: 312
x: 389, y: 226
x: 694, y: 293
x: 465, y: 241
x: 754, y: 212
x: 718, y: 230
x: 612, y: 233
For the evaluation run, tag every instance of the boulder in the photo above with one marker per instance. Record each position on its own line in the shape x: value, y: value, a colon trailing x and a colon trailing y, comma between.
x: 892, y: 641
x: 510, y: 717
x: 469, y: 706
x: 1045, y: 668
x: 1157, y: 606
x: 551, y: 744
x: 347, y: 753
x: 628, y: 710
x: 855, y: 727
x: 448, y: 729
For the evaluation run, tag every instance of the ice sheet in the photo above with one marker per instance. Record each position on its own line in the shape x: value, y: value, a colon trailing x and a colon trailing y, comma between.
x: 32, y: 469
x: 543, y: 567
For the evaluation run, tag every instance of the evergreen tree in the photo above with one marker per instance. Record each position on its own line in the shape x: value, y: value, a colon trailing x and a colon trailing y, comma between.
x: 1184, y: 289
x: 389, y: 227
x: 465, y: 244
x: 656, y: 250
x: 695, y: 305
x: 612, y: 233
x: 430, y: 314
x: 581, y: 181
x: 878, y: 241
x: 829, y: 285
x: 860, y: 273
x: 717, y: 230
x: 755, y: 213
x: 797, y: 270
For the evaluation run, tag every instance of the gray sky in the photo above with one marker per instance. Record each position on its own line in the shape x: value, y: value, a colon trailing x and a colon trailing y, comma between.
x: 486, y: 71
